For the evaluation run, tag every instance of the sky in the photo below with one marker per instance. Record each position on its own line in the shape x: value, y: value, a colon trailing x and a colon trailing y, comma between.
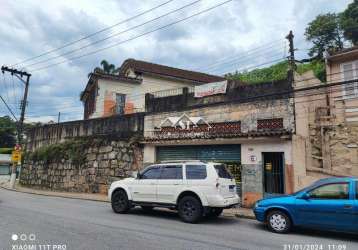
x: 238, y: 35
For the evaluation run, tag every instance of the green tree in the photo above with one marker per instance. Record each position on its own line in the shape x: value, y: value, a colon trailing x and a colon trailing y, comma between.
x: 107, y: 68
x: 7, y: 132
x: 325, y: 33
x: 349, y: 22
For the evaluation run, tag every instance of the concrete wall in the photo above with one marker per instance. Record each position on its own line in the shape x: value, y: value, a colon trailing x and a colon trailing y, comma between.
x: 345, y: 108
x: 122, y: 127
x: 327, y: 134
x: 135, y: 93
x: 246, y: 113
x: 252, y: 167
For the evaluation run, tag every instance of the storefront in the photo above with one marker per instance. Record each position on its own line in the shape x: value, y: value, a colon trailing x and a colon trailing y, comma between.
x: 253, y: 138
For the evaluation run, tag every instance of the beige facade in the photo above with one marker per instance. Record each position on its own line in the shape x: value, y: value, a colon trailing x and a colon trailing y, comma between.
x: 225, y: 125
x: 326, y: 140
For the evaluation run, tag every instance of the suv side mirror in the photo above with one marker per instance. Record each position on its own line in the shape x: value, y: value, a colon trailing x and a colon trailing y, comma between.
x: 138, y: 175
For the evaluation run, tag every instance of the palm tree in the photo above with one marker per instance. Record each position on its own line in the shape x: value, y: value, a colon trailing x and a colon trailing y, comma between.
x: 107, y: 68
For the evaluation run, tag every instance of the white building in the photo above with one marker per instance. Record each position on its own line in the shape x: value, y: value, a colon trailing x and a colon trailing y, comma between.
x: 107, y: 94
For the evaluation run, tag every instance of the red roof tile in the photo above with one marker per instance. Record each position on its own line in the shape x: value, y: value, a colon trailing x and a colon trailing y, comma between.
x: 162, y: 70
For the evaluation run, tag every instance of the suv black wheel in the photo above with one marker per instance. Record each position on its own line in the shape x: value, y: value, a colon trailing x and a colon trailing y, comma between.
x: 120, y: 202
x: 147, y: 208
x: 215, y: 211
x: 278, y: 222
x: 190, y: 209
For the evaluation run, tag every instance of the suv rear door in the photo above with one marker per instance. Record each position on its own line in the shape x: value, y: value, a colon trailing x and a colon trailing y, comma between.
x: 170, y: 180
x: 227, y: 184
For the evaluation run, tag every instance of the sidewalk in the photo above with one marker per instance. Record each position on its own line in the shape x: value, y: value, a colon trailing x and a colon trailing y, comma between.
x: 233, y: 212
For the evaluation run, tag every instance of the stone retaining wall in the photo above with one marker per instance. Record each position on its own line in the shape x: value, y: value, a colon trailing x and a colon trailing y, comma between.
x: 103, y: 163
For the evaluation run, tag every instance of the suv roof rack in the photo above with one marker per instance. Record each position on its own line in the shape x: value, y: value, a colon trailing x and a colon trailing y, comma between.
x: 174, y: 161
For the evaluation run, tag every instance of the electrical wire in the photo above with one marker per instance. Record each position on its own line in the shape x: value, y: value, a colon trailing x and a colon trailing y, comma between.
x: 93, y: 34
x: 114, y: 35
x: 135, y: 37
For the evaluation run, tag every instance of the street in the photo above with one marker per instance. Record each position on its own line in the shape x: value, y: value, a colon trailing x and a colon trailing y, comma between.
x: 60, y: 223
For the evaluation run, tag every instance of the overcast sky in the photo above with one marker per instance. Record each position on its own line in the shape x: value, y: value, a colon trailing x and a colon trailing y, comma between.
x: 240, y: 35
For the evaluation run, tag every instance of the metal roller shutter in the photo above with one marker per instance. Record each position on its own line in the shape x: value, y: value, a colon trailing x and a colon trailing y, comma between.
x: 222, y: 153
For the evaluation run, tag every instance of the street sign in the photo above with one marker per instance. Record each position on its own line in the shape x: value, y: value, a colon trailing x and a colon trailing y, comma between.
x: 16, y: 156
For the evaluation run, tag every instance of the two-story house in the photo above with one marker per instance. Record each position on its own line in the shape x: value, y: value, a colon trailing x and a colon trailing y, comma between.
x: 107, y: 94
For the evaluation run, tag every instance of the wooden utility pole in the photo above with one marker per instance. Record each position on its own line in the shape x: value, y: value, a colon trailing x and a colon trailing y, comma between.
x: 20, y: 126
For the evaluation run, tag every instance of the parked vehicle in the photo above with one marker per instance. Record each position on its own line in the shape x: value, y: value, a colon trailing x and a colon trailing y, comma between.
x: 193, y: 188
x: 328, y: 204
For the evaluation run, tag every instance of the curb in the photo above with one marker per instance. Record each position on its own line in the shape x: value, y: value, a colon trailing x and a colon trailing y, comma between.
x: 52, y: 195
x: 232, y: 215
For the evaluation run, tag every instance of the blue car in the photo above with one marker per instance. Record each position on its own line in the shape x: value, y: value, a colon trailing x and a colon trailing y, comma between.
x: 328, y: 204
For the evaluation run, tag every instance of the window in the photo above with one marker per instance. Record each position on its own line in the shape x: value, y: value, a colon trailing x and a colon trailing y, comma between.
x: 120, y: 103
x: 356, y: 190
x: 270, y: 124
x: 151, y: 173
x: 172, y: 172
x: 350, y: 72
x: 222, y: 172
x: 195, y: 172
x: 336, y: 191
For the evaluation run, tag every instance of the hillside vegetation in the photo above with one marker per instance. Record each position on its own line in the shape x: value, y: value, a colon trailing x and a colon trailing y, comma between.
x: 278, y: 72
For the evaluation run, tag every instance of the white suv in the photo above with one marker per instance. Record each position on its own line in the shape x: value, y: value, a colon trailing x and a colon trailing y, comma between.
x: 194, y: 188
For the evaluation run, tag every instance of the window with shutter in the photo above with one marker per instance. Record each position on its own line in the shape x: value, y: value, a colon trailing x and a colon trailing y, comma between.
x: 350, y: 72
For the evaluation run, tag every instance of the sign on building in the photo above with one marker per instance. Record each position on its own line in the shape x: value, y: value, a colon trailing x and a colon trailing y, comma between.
x: 210, y: 89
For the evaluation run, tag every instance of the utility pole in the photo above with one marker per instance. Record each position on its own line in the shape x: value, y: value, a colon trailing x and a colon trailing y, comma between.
x: 291, y: 73
x: 291, y: 57
x: 20, y: 127
x: 59, y: 117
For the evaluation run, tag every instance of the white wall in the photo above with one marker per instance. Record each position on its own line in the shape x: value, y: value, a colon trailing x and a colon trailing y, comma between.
x: 257, y: 148
x: 134, y: 92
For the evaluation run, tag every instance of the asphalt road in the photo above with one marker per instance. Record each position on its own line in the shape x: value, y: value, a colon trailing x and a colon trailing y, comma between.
x: 60, y: 223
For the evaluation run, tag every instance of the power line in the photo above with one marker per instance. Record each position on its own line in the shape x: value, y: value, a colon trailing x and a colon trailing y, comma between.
x: 95, y: 33
x: 241, y: 69
x: 135, y: 37
x: 246, y: 54
x: 116, y: 34
x: 7, y: 106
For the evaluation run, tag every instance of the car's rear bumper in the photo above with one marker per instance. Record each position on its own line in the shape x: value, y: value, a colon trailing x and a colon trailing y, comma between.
x: 219, y: 201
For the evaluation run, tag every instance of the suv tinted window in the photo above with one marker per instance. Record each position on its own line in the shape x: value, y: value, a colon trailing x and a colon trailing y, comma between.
x: 172, y: 172
x: 195, y: 172
x: 152, y: 173
x: 338, y: 191
x: 356, y: 190
x: 222, y: 172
